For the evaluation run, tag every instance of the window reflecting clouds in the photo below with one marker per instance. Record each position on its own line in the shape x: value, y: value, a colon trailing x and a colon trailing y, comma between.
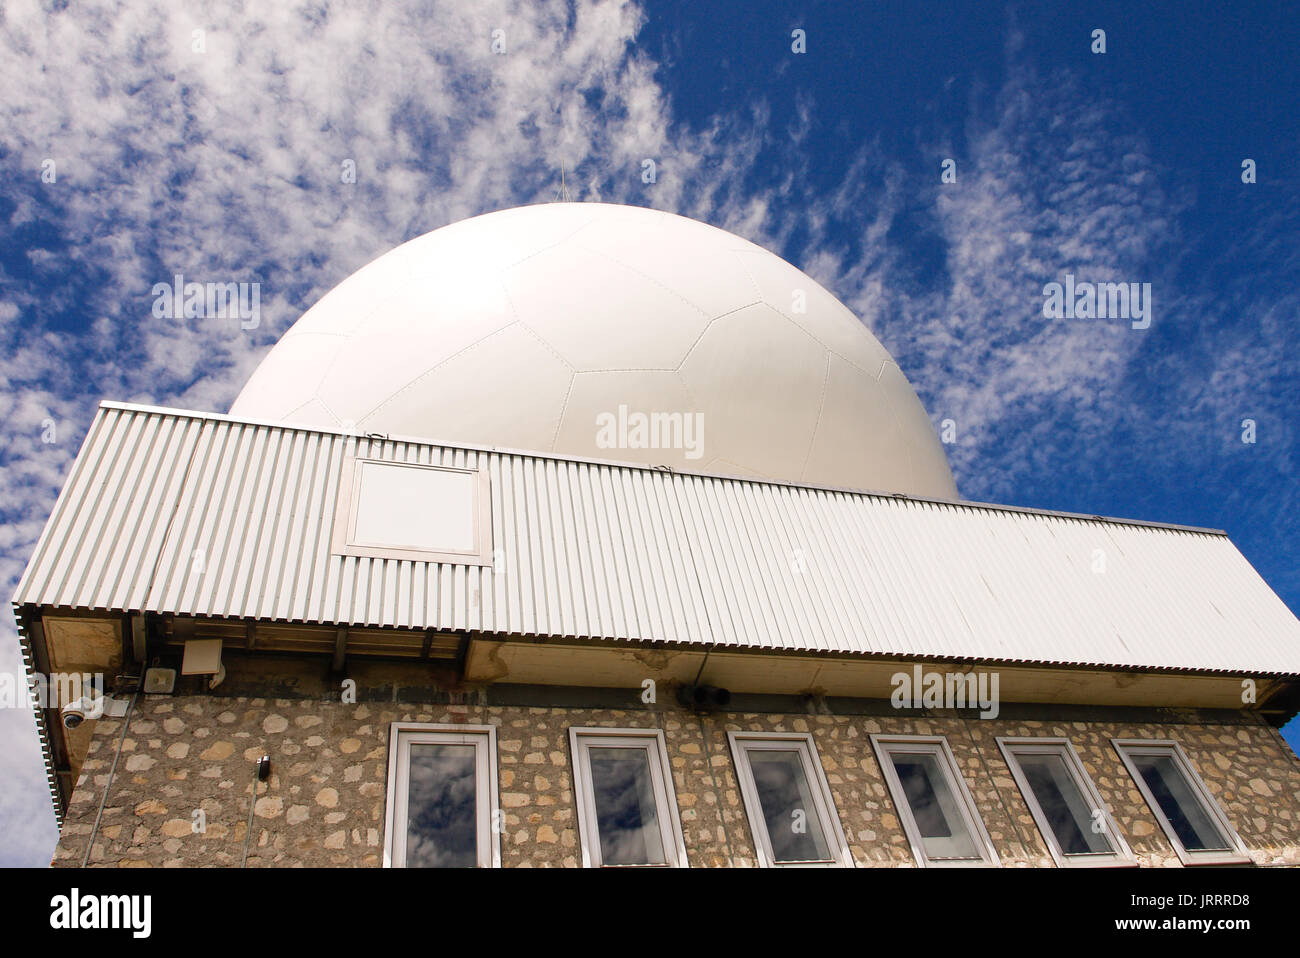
x: 1187, y: 817
x: 442, y: 796
x: 934, y: 808
x: 1064, y: 806
x: 623, y: 794
x: 793, y: 825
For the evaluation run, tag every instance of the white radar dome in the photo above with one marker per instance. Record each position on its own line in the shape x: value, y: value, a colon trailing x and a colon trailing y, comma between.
x: 609, y: 332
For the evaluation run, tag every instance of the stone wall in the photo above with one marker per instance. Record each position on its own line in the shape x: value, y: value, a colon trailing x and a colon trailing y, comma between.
x: 324, y: 802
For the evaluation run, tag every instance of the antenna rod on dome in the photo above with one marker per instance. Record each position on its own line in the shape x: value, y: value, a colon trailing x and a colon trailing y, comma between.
x: 564, y: 190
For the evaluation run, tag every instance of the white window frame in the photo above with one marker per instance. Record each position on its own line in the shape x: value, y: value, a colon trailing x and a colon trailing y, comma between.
x: 484, y: 738
x: 1121, y: 857
x: 669, y: 819
x: 1237, y: 854
x: 828, y: 818
x: 343, y: 538
x: 936, y: 745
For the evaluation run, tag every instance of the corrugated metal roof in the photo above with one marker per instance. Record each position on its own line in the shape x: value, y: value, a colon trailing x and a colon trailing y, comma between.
x: 199, y: 514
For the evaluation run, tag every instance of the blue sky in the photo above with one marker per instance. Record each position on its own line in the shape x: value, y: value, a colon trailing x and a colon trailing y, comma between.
x: 223, y: 162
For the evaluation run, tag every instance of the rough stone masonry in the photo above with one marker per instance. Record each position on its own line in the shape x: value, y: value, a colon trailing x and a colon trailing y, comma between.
x: 181, y: 790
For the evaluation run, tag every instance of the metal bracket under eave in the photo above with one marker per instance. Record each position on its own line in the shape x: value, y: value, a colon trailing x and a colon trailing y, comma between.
x: 182, y: 628
x: 139, y: 639
x: 340, y: 649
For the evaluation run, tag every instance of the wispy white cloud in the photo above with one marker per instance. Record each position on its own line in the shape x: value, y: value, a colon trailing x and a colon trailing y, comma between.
x: 1044, y: 188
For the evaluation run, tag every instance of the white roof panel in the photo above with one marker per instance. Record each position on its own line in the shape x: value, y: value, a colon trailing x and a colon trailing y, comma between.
x: 198, y: 514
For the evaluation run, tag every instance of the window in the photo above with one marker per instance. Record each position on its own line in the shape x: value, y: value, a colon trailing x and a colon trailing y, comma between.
x: 937, y: 811
x: 1069, y: 811
x: 403, y: 510
x: 442, y: 797
x: 1196, y: 826
x: 627, y: 810
x: 788, y: 800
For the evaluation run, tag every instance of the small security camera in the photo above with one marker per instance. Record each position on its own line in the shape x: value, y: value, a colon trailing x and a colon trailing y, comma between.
x: 74, y: 713
x: 77, y: 711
